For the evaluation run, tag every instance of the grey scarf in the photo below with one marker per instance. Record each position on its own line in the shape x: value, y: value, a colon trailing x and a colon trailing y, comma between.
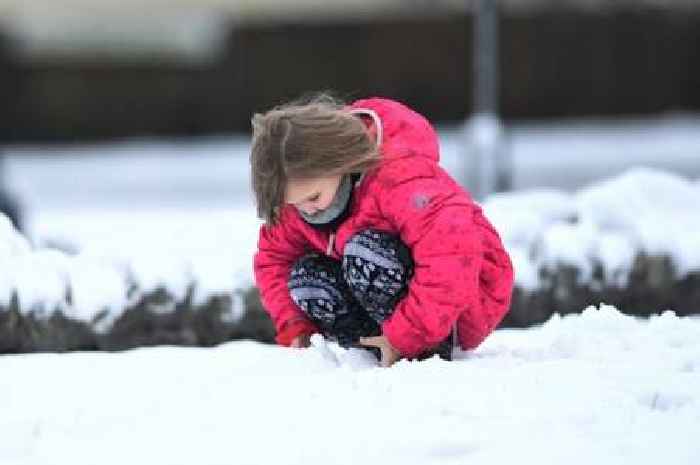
x: 336, y: 209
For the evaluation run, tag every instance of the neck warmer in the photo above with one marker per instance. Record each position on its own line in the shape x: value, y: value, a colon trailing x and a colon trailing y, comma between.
x: 339, y: 209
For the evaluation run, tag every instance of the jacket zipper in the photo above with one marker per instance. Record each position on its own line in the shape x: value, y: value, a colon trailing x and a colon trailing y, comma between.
x: 331, y: 244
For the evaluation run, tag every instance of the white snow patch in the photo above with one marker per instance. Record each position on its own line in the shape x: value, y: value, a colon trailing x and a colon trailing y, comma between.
x: 568, y: 244
x: 11, y: 242
x: 616, y: 252
x: 98, y: 291
x: 619, y: 202
x: 526, y: 273
x: 520, y: 217
x: 38, y: 279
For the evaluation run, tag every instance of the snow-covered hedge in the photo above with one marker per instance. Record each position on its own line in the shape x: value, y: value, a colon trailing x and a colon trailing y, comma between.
x: 51, y: 301
x: 632, y: 241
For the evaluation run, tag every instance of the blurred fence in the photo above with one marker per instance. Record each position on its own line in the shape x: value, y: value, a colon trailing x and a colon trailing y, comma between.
x: 556, y: 62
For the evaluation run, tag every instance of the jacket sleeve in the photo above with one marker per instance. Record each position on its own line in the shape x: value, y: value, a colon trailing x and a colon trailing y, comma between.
x: 436, y: 220
x: 279, y: 246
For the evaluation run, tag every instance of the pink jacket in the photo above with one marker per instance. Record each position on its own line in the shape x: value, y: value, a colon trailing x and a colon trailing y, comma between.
x: 463, y: 276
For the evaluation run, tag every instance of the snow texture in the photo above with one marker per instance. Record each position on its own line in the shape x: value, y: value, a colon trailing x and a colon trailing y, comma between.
x: 599, y: 387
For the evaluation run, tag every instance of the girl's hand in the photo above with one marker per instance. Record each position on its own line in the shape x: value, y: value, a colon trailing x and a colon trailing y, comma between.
x: 389, y: 354
x: 302, y: 341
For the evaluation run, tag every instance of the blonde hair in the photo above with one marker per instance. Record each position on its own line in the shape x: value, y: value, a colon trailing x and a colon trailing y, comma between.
x: 308, y: 138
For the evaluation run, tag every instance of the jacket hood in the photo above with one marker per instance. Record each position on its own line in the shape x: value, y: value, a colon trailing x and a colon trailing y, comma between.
x: 404, y: 132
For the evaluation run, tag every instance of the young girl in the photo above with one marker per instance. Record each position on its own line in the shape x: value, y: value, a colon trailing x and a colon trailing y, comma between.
x: 367, y: 240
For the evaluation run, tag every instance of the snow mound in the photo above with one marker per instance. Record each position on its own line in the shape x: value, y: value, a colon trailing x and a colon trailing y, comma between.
x: 595, y: 334
x: 618, y: 203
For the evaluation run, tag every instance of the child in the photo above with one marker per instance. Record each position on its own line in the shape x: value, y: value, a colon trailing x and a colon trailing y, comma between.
x: 367, y: 240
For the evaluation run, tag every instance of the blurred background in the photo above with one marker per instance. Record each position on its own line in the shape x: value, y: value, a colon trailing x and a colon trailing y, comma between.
x: 616, y: 81
x: 124, y: 125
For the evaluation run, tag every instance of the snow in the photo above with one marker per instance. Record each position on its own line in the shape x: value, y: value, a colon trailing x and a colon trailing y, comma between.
x: 37, y: 280
x: 600, y: 387
x: 656, y: 209
x: 620, y: 201
x: 572, y: 245
x: 97, y: 290
x: 169, y: 249
x: 659, y: 210
x: 616, y: 252
x: 521, y: 215
x: 607, y: 223
x: 11, y: 243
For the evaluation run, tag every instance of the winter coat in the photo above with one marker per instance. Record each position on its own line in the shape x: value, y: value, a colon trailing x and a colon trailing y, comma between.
x: 463, y: 276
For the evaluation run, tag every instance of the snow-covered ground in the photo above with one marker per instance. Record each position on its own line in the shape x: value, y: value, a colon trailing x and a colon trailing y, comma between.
x: 597, y: 388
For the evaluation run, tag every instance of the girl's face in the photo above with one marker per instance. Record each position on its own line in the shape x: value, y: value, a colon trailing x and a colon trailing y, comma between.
x: 312, y: 195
